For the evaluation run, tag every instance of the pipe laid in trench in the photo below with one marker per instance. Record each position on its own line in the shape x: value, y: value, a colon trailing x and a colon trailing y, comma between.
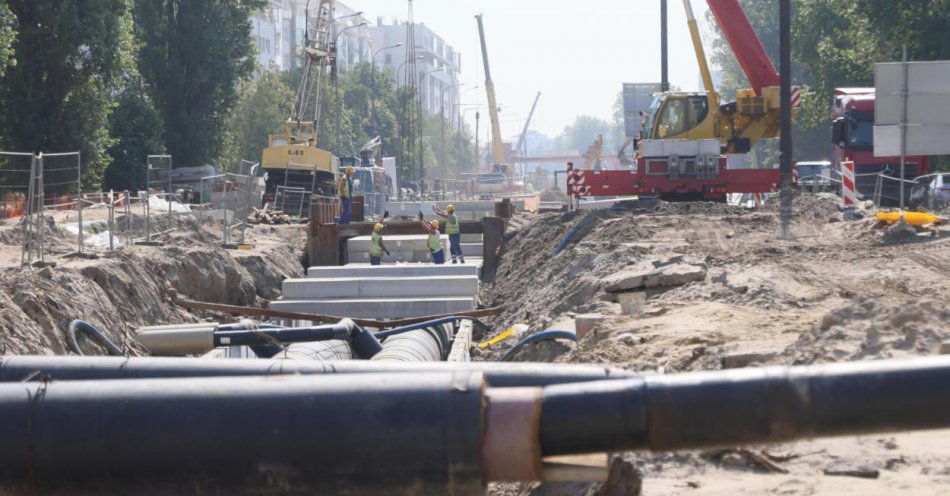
x: 17, y: 368
x: 430, y: 344
x: 355, y: 434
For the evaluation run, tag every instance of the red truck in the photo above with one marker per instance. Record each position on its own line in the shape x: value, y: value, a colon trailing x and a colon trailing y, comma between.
x: 853, y: 140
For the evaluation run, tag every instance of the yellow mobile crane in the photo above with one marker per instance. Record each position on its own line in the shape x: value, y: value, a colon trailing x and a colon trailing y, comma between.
x: 738, y: 125
x: 499, y: 164
x: 293, y: 158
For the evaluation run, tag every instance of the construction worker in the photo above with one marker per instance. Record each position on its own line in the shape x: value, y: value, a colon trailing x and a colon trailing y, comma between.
x: 345, y: 192
x: 434, y: 242
x: 376, y: 246
x: 454, y: 231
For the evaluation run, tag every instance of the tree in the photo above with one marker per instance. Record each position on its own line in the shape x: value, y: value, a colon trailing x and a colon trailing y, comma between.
x: 579, y: 135
x: 137, y: 129
x: 7, y: 35
x: 59, y: 94
x: 264, y: 104
x: 194, y: 53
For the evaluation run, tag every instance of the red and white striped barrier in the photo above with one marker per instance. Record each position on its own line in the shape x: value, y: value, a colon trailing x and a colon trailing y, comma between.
x: 796, y: 96
x: 576, y: 181
x: 849, y: 192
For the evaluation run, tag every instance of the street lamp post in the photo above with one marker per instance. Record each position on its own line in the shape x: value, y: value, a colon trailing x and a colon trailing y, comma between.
x: 422, y: 128
x: 336, y: 83
x: 462, y: 119
x: 444, y: 158
x: 375, y: 88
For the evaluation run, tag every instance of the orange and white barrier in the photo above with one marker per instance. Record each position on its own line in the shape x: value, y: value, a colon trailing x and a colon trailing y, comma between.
x: 849, y: 190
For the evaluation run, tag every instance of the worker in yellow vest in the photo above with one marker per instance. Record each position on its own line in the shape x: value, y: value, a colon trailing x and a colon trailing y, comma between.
x: 434, y: 242
x: 345, y: 192
x: 454, y: 230
x: 376, y: 246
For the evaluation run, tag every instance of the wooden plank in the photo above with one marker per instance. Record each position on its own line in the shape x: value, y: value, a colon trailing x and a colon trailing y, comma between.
x: 461, y: 343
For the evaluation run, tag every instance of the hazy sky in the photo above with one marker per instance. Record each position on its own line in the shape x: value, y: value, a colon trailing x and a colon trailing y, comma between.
x: 577, y: 53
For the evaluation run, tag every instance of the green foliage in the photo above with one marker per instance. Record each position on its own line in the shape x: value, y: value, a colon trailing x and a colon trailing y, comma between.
x: 7, y: 35
x: 194, y: 53
x: 137, y: 129
x: 264, y: 104
x: 59, y: 94
x: 580, y: 134
x: 364, y: 103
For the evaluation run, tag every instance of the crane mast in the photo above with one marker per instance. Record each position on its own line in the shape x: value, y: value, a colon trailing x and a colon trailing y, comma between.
x: 527, y: 124
x: 498, y: 153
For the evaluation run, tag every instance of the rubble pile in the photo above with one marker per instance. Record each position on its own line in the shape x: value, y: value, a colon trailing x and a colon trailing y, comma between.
x: 259, y: 216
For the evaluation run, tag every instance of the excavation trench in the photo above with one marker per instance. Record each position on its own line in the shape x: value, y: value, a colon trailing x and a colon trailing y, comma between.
x: 138, y: 286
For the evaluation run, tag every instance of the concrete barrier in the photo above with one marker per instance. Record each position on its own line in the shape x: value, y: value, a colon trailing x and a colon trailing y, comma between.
x: 403, y: 270
x: 379, y: 287
x: 409, y: 248
x: 379, y: 308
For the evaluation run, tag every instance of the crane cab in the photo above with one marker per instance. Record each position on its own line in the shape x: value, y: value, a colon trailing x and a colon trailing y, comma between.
x: 687, y: 116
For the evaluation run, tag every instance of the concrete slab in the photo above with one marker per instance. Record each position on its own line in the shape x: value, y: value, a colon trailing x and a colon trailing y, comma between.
x: 378, y: 308
x: 405, y: 242
x: 470, y: 268
x: 472, y: 249
x: 380, y: 287
x: 603, y: 204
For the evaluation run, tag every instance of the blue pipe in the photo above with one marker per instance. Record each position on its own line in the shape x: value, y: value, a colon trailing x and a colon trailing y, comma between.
x: 415, y: 327
x: 541, y: 336
x: 94, y: 334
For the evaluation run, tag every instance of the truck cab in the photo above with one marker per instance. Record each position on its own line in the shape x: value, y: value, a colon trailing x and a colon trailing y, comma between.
x: 853, y: 141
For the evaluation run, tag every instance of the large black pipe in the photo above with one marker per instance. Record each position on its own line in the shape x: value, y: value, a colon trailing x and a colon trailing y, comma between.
x: 425, y: 345
x: 18, y: 368
x: 731, y: 408
x: 432, y: 433
x: 367, y: 434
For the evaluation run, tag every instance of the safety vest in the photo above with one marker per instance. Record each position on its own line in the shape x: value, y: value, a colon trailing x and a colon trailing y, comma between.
x: 376, y: 245
x: 344, y: 189
x: 452, y: 224
x: 435, y: 242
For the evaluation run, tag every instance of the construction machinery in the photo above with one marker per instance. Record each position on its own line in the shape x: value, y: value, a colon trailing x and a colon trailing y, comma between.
x: 527, y: 124
x: 293, y: 159
x: 499, y: 164
x: 594, y: 153
x: 684, y: 140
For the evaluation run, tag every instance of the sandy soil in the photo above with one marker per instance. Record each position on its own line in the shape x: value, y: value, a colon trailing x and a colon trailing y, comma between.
x: 134, y: 286
x: 833, y: 291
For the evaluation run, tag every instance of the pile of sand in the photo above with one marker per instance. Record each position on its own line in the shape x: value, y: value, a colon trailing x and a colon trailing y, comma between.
x: 869, y: 329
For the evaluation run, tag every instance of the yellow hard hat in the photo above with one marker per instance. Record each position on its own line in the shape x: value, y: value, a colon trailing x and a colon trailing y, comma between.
x: 350, y: 170
x: 378, y: 227
x: 435, y: 224
x: 450, y: 209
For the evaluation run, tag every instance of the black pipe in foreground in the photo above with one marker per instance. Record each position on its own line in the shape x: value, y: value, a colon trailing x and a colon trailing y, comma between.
x: 18, y: 368
x: 429, y: 433
x: 731, y: 408
x: 404, y: 434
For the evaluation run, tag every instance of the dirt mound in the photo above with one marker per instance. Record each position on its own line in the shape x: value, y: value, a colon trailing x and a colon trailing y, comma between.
x: 556, y: 264
x: 701, y: 208
x: 868, y: 329
x: 821, y: 206
x: 133, y: 287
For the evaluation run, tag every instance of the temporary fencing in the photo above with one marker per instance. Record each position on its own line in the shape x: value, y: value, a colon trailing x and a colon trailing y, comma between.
x: 35, y: 187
